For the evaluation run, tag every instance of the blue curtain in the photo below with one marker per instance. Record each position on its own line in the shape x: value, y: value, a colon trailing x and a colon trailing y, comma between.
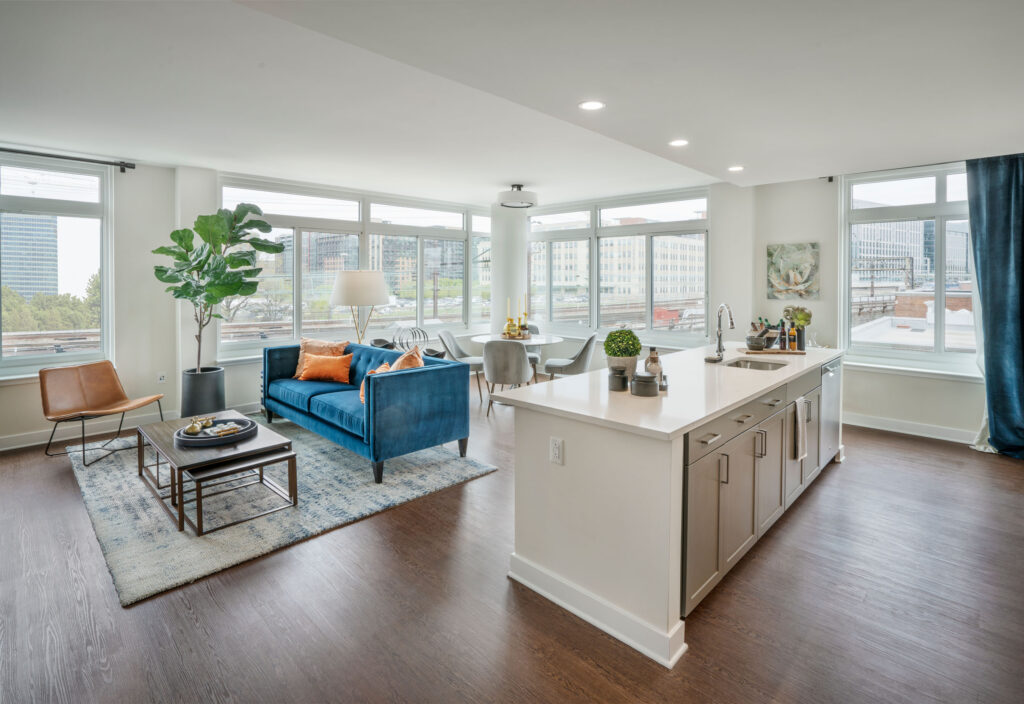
x: 995, y: 190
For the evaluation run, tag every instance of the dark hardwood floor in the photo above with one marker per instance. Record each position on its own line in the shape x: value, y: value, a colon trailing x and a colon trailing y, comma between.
x: 897, y: 577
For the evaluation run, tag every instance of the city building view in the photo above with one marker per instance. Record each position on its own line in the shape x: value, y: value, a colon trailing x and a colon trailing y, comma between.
x: 893, y: 269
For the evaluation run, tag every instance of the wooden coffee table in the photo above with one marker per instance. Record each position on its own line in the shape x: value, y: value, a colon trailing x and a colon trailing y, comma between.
x: 207, y: 467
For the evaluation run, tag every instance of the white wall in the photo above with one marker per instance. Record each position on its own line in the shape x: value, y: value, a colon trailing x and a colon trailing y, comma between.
x: 145, y: 338
x: 730, y: 265
x: 801, y: 211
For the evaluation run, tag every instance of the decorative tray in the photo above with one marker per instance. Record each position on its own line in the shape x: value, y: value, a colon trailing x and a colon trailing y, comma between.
x: 515, y: 337
x: 772, y: 351
x: 208, y: 437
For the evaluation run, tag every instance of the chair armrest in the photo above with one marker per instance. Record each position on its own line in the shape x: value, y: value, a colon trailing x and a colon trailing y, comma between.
x: 413, y: 409
x: 279, y: 363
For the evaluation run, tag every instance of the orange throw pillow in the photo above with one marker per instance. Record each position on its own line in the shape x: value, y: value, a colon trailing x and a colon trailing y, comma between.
x: 362, y: 387
x: 321, y: 367
x: 410, y: 360
x: 322, y: 347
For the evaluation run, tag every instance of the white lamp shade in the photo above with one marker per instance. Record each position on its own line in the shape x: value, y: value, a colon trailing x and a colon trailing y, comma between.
x: 360, y: 288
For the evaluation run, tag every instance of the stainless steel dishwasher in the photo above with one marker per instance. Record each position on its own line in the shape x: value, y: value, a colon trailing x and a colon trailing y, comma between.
x: 831, y: 410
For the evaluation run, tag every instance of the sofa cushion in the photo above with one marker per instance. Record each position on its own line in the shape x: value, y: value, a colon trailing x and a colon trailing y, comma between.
x: 322, y: 347
x: 367, y: 359
x: 298, y: 394
x: 342, y: 409
x: 317, y: 367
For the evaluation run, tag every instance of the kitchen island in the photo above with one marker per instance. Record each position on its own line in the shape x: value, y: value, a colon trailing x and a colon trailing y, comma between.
x: 629, y: 509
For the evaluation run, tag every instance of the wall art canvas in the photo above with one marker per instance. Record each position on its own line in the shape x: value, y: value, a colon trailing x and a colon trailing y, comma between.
x: 793, y: 271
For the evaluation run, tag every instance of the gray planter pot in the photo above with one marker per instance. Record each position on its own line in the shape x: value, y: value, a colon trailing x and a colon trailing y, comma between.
x: 628, y: 362
x: 203, y: 392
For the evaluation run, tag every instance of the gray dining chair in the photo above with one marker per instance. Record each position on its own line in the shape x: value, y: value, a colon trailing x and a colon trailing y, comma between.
x: 505, y: 363
x: 452, y: 348
x: 579, y: 363
x: 533, y: 351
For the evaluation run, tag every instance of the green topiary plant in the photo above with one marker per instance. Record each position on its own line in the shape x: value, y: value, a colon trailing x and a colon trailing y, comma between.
x: 622, y: 343
x: 207, y: 273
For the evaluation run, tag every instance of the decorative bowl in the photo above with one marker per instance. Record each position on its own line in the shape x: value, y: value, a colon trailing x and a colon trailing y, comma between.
x: 755, y: 343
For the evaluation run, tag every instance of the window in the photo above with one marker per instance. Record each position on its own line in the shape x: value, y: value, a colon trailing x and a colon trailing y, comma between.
x: 537, y: 275
x: 575, y: 220
x: 623, y: 282
x: 480, y: 303
x: 415, y: 217
x: 267, y: 314
x: 324, y: 254
x: 570, y: 282
x: 53, y: 281
x: 909, y: 267
x: 482, y: 223
x: 423, y: 252
x: 679, y: 283
x: 671, y: 211
x: 277, y: 203
x: 444, y: 271
x: 397, y: 257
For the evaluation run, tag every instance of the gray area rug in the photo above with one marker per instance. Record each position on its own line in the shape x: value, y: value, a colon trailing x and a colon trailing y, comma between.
x: 147, y: 555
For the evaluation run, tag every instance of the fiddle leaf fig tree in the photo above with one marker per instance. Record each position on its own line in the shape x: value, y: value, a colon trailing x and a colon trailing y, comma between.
x: 222, y: 263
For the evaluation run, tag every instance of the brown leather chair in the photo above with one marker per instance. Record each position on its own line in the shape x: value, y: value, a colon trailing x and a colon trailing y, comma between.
x: 84, y: 392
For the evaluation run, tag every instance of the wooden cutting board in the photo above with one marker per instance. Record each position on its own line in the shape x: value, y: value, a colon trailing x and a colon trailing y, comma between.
x: 775, y: 351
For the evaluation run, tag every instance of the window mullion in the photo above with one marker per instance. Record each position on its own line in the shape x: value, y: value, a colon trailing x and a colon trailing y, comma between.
x: 649, y: 282
x: 297, y: 247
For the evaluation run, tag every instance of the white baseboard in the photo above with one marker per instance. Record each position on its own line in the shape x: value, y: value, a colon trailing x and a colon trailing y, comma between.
x: 896, y: 425
x: 664, y: 648
x: 73, y: 431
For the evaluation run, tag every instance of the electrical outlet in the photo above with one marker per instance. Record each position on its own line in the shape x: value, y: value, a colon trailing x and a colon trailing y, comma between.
x: 556, y: 453
x: 161, y: 378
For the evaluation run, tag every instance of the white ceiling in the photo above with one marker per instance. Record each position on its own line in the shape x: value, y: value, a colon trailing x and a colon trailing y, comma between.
x: 454, y: 100
x: 790, y: 89
x: 222, y: 86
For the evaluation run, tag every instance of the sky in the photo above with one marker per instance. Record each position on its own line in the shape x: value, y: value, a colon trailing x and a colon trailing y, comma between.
x: 78, y: 253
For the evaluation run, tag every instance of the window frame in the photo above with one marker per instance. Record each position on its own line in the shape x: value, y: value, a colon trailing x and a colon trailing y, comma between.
x: 364, y: 228
x: 648, y: 230
x: 938, y: 359
x: 29, y: 365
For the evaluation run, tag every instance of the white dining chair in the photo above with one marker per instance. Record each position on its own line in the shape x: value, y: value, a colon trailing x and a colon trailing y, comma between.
x: 505, y: 363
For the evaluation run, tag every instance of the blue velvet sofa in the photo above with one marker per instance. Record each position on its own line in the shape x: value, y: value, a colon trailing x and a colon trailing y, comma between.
x: 405, y: 411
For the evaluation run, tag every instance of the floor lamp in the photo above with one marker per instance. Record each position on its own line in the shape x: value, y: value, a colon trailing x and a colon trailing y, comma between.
x: 360, y: 288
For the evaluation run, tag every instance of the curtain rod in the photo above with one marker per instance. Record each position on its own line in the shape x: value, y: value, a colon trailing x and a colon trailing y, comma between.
x: 119, y: 164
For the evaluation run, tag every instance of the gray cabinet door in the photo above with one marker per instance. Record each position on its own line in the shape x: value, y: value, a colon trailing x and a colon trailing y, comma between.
x: 812, y: 463
x: 702, y: 552
x: 737, y: 512
x: 771, y: 494
x: 831, y: 411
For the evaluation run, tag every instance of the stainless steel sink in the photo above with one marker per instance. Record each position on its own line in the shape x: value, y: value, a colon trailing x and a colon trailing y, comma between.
x: 755, y: 364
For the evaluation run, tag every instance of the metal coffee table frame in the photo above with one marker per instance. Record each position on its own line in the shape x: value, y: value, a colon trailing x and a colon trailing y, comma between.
x: 228, y: 466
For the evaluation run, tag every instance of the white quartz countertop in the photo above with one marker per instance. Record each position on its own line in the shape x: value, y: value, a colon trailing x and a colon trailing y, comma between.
x: 698, y: 391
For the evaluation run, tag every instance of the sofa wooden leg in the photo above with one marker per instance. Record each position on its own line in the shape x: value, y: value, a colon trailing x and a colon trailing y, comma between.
x: 463, y: 443
x: 378, y: 472
x: 270, y: 415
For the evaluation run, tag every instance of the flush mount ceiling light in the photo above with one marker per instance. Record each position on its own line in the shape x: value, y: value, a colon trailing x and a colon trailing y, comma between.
x: 735, y: 168
x: 591, y: 105
x: 516, y: 197
x: 678, y: 142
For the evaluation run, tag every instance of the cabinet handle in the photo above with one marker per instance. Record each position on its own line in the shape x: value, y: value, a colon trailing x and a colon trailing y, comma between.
x: 726, y: 480
x: 743, y: 418
x: 710, y: 439
x: 763, y: 451
x: 810, y: 406
x: 773, y: 403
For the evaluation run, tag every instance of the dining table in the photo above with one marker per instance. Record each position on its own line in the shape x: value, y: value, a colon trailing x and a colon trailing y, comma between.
x: 538, y: 339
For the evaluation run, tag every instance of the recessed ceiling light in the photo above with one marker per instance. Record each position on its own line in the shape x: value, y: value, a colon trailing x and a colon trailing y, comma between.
x: 591, y: 105
x: 678, y: 143
x: 735, y: 168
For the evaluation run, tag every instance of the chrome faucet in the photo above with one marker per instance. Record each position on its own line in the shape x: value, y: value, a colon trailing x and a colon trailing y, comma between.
x: 720, y: 350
